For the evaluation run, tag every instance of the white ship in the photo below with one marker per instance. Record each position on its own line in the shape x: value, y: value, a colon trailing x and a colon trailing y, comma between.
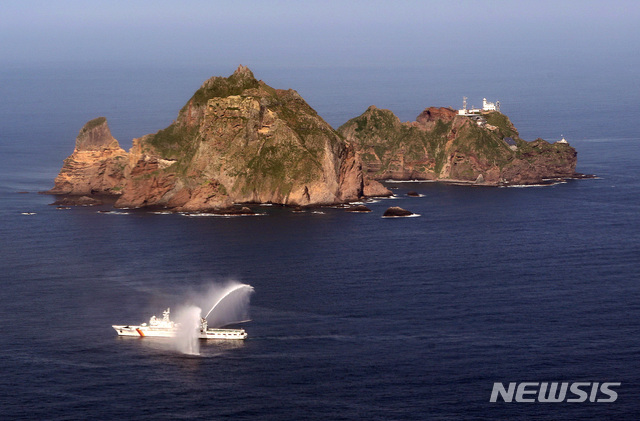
x: 167, y: 328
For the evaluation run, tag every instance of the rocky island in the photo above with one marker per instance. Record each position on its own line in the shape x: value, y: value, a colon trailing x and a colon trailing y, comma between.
x: 239, y: 141
x: 444, y: 145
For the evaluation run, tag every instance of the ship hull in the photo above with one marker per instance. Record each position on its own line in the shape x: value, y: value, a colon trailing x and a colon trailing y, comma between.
x: 163, y: 332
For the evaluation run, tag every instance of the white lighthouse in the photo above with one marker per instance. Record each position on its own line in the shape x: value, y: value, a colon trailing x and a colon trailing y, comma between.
x: 488, y: 106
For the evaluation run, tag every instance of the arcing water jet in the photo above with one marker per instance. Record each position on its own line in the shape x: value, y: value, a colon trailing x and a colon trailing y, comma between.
x: 231, y: 305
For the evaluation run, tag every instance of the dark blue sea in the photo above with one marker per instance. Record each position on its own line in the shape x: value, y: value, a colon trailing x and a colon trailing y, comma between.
x: 353, y: 316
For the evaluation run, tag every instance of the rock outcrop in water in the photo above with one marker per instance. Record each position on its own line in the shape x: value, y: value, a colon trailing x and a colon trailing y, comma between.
x: 237, y: 140
x: 358, y: 209
x: 396, y: 212
x: 442, y: 145
x: 96, y: 165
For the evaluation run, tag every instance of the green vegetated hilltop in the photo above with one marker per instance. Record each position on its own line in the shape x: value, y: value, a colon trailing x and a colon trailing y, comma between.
x: 237, y: 140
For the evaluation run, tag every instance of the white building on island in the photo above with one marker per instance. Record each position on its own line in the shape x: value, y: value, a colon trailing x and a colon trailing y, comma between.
x: 486, y: 106
x: 490, y: 106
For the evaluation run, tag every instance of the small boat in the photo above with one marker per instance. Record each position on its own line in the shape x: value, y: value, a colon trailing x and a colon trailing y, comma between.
x: 167, y: 328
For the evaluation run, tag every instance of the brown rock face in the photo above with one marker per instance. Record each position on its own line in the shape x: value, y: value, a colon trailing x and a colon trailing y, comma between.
x: 442, y: 145
x: 396, y: 211
x: 358, y: 209
x: 542, y: 161
x: 372, y: 188
x: 97, y: 164
x: 95, y: 136
x: 434, y: 114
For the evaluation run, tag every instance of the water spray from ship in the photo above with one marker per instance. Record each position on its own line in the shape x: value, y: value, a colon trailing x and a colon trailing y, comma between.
x: 186, y: 339
x: 230, y: 304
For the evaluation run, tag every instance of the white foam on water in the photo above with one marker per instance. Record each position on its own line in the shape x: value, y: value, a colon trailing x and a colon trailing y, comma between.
x: 411, y: 181
x: 218, y: 215
x: 523, y: 186
x: 415, y: 215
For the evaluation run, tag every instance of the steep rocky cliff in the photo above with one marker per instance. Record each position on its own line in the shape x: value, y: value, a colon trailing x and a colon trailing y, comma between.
x: 237, y: 140
x: 442, y: 145
x: 97, y: 164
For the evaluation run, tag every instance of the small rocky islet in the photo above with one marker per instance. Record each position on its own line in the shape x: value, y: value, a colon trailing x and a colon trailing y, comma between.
x: 396, y: 212
x: 358, y: 209
x: 238, y: 141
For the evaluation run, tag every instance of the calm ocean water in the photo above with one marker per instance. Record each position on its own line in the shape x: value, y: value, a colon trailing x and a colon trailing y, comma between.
x: 354, y: 316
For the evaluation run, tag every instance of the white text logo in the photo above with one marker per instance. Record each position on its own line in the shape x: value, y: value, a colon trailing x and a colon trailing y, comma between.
x: 555, y: 392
